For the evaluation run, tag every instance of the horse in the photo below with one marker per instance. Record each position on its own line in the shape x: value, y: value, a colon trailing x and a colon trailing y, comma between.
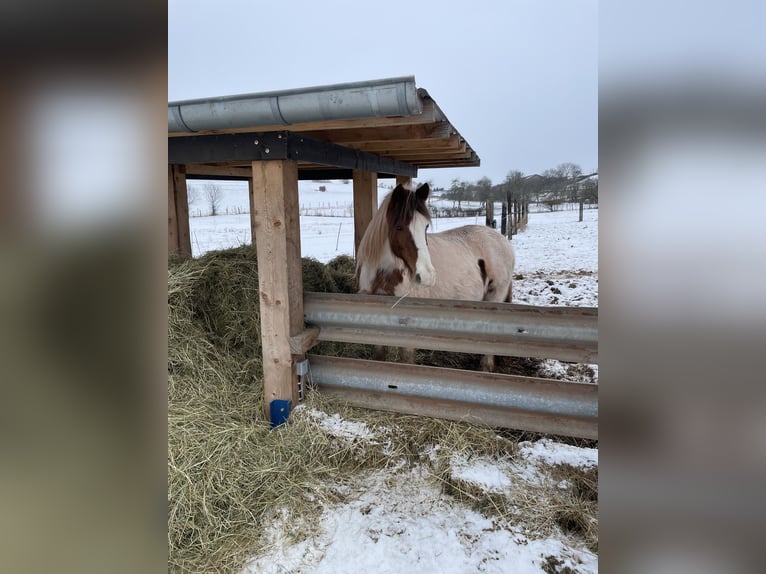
x: 397, y: 256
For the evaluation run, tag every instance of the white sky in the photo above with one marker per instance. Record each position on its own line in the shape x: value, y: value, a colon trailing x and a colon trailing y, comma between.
x: 518, y: 79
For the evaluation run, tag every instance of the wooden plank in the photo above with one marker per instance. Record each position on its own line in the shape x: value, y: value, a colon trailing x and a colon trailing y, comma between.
x: 382, y: 146
x: 277, y: 239
x: 213, y: 170
x: 365, y: 203
x: 417, y: 155
x: 179, y: 236
x: 439, y: 130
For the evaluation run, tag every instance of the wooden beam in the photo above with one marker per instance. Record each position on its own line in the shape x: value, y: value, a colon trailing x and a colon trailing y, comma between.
x: 415, y: 156
x: 365, y: 203
x: 472, y: 161
x: 438, y: 130
x: 201, y: 169
x: 282, y: 145
x: 277, y: 240
x: 383, y: 146
x: 179, y: 237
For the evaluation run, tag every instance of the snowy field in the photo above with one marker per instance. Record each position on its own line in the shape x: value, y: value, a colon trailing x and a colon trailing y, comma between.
x: 399, y: 520
x: 556, y: 256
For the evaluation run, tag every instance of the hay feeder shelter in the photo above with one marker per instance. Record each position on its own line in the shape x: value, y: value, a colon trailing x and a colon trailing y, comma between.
x: 364, y: 131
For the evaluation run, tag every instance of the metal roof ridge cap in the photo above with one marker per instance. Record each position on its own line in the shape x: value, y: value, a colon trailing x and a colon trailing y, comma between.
x: 303, y: 104
x: 298, y: 91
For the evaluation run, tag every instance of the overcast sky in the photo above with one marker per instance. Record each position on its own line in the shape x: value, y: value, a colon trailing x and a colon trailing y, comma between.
x: 518, y: 79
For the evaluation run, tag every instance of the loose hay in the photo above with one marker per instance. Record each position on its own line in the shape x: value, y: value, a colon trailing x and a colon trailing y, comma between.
x: 230, y: 476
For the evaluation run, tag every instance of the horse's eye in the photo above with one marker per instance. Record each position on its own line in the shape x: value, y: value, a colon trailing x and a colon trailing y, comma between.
x: 398, y: 227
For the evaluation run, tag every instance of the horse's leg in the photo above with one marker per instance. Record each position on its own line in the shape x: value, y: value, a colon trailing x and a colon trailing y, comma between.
x: 488, y: 363
x: 406, y: 355
x: 379, y: 353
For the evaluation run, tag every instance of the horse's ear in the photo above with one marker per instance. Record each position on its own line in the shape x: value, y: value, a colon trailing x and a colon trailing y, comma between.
x: 399, y: 195
x: 422, y: 192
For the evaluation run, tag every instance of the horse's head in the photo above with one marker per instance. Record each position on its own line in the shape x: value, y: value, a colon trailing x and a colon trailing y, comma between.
x: 408, y: 221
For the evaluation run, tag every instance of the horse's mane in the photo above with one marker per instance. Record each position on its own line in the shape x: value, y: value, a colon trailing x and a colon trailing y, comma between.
x: 376, y: 236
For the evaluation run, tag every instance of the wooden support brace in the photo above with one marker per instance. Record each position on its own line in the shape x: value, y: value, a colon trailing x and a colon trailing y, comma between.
x: 304, y: 341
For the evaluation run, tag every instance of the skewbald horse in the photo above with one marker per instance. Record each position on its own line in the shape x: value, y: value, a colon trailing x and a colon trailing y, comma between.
x: 398, y: 257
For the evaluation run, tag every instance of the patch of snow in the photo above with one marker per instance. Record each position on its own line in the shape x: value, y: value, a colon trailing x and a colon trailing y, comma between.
x: 335, y: 426
x: 481, y: 471
x: 577, y: 372
x: 549, y: 452
x: 553, y: 369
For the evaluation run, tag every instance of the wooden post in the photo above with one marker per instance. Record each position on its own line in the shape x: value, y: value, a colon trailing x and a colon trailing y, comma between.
x: 365, y: 202
x: 490, y: 213
x: 504, y: 218
x: 276, y: 222
x: 179, y: 237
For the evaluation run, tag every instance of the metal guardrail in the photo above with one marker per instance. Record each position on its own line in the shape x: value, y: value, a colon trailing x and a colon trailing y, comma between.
x: 526, y: 403
x: 564, y: 333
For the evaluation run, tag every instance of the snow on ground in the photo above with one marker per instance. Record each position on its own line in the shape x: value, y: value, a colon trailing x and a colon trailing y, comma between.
x: 403, y: 523
x: 550, y: 452
x: 399, y: 520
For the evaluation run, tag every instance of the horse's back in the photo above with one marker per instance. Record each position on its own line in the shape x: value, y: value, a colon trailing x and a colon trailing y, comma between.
x: 490, y: 254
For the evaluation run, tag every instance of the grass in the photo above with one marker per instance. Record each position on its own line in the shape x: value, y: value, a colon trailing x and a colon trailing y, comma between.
x: 230, y: 475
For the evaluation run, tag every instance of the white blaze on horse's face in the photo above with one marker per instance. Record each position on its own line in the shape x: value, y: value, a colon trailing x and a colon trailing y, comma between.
x: 425, y: 274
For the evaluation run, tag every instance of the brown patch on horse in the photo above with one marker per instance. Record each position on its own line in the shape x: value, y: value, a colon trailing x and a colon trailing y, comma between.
x: 489, y: 286
x: 401, y: 209
x: 385, y: 282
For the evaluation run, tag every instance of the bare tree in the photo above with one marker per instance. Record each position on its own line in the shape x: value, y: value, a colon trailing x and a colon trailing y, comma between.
x: 193, y: 195
x: 457, y: 191
x: 213, y: 194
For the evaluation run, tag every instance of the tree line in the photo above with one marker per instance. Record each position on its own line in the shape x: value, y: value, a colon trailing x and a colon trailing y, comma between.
x: 565, y: 183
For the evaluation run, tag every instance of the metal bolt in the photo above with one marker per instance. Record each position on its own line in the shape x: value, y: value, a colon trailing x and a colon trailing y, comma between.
x: 256, y: 142
x: 267, y: 150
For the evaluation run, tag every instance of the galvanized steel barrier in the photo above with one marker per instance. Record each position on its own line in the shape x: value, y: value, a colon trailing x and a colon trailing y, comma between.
x: 526, y: 403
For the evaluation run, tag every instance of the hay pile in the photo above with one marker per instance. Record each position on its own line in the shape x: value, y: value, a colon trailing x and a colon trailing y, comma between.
x: 229, y: 475
x: 226, y: 471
